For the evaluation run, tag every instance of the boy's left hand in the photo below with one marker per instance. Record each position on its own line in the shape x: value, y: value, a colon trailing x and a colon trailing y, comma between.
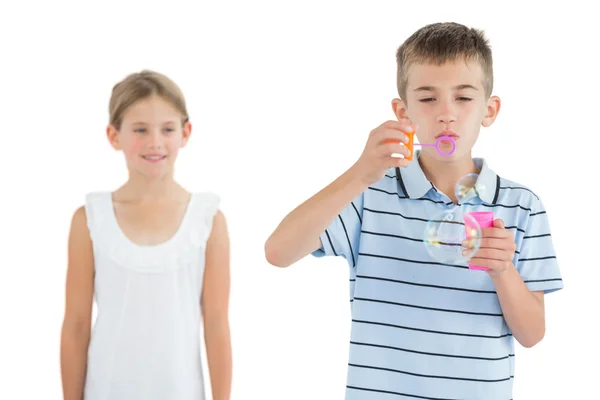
x: 497, y: 249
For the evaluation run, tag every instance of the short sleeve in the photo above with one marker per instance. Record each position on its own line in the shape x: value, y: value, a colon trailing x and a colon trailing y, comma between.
x: 536, y: 261
x: 342, y: 236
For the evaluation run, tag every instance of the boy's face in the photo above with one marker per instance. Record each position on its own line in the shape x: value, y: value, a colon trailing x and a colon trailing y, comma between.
x: 447, y: 100
x: 151, y: 135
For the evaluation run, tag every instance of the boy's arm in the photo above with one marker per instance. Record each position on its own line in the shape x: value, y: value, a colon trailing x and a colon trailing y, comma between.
x: 299, y: 233
x: 522, y: 279
x: 533, y: 273
x: 215, y: 309
x: 76, y: 326
x: 523, y: 309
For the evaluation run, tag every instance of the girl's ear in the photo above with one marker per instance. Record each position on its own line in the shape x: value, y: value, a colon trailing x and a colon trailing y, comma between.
x: 187, y: 131
x: 113, y: 137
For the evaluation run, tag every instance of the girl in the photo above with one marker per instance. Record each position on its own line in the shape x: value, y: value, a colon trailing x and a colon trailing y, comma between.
x: 156, y: 259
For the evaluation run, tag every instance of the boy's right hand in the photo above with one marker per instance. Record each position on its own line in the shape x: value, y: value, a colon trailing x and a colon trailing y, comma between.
x: 377, y: 155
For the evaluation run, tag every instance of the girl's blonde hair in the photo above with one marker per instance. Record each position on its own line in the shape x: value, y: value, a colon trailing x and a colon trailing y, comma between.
x: 139, y: 86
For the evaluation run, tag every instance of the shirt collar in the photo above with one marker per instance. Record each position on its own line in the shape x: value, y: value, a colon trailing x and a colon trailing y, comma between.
x: 415, y: 185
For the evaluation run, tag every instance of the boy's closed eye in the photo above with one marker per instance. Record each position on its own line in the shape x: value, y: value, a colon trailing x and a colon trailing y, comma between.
x: 430, y: 99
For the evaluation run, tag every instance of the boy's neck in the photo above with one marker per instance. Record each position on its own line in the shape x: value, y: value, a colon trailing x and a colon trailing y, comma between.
x: 445, y: 175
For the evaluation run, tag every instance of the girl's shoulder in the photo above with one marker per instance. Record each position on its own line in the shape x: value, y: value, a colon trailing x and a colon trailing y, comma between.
x: 203, y: 208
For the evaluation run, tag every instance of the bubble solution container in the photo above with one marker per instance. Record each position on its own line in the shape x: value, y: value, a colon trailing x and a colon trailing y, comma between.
x: 485, y: 219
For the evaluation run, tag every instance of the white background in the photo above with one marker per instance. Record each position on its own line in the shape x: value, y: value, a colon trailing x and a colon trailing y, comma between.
x: 282, y: 96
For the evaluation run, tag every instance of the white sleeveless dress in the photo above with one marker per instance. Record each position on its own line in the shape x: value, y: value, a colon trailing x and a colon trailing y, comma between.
x: 146, y: 341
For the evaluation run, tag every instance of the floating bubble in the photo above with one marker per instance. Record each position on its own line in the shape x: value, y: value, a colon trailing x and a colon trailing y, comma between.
x: 467, y: 187
x: 446, y: 232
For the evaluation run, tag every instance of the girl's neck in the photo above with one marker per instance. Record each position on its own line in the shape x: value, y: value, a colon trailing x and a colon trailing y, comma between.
x: 141, y: 189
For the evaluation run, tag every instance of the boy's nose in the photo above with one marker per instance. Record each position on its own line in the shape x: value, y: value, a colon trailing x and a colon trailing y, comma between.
x: 446, y: 118
x: 446, y: 113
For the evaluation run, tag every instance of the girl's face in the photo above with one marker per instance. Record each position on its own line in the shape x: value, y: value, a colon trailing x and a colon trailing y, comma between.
x: 151, y: 135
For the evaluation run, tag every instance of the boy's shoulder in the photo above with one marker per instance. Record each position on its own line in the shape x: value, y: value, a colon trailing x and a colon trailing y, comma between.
x: 510, y: 192
x: 389, y: 182
x: 499, y: 190
x: 388, y: 188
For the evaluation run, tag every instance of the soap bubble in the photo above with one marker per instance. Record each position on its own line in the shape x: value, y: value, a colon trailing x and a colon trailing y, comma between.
x: 446, y: 232
x: 467, y: 187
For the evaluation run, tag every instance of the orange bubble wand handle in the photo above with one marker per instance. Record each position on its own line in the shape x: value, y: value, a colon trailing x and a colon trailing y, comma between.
x: 410, y: 145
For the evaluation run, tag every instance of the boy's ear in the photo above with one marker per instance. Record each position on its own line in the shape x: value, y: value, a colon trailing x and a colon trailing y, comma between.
x: 113, y: 137
x: 400, y: 111
x: 493, y: 108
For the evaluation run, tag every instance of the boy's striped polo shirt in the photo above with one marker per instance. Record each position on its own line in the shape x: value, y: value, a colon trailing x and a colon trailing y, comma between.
x: 422, y: 329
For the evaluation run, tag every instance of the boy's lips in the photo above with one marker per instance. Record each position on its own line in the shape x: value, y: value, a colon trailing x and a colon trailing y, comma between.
x: 447, y: 133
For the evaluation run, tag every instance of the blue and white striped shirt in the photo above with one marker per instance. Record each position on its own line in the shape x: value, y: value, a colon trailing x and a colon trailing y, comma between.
x: 422, y: 329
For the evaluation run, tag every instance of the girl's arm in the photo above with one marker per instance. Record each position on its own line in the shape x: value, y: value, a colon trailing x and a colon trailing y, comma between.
x: 78, y: 308
x: 215, y: 308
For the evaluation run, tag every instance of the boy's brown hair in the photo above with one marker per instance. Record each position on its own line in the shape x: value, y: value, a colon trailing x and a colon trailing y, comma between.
x: 444, y: 42
x: 139, y: 86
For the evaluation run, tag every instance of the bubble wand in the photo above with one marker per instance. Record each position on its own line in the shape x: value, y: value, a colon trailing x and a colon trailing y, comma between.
x: 411, y: 143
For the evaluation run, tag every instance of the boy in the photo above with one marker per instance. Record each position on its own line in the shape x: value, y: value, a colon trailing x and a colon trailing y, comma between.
x: 424, y: 329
